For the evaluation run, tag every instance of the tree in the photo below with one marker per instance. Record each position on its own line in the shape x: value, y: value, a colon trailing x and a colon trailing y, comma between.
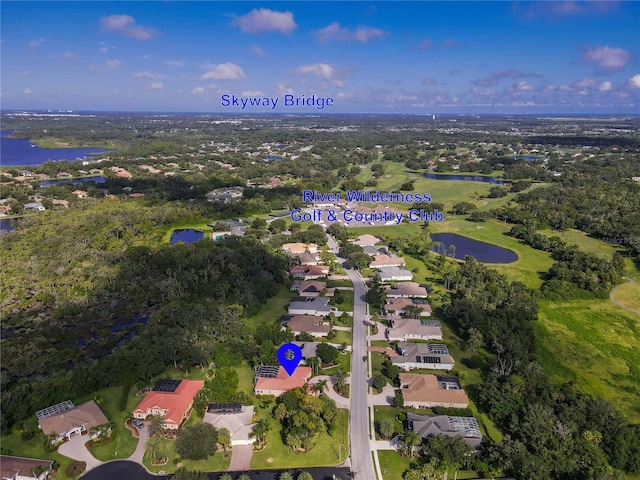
x: 197, y: 442
x: 320, y: 386
x: 184, y: 474
x: 259, y: 224
x: 476, y: 340
x: 305, y: 476
x: 379, y: 382
x: 387, y: 428
x: 314, y: 364
x: 327, y: 353
x: 225, y: 476
x: 154, y: 449
x: 244, y: 476
x: 398, y: 399
x: 278, y: 225
x: 411, y: 439
x: 224, y: 439
x: 156, y: 426
x: 285, y: 476
x: 340, y: 379
x: 260, y: 430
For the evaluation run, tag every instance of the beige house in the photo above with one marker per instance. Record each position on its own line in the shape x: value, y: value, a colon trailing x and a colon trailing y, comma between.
x: 427, y: 391
x: 19, y: 468
x: 68, y: 420
x: 406, y: 290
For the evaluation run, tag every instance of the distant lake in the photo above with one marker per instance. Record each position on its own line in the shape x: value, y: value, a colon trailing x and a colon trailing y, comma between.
x: 528, y: 158
x: 187, y: 235
x: 6, y: 225
x: 483, y: 252
x: 19, y: 151
x: 464, y: 178
x: 74, y: 181
x: 274, y: 157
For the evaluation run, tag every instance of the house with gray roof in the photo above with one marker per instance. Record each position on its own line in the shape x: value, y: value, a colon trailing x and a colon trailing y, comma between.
x: 434, y: 425
x: 318, y: 306
x: 404, y: 329
x: 432, y: 356
x: 394, y: 274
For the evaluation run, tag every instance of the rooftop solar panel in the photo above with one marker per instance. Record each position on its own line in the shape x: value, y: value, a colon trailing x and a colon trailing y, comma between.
x: 438, y: 349
x: 224, y: 408
x: 166, y: 385
x: 430, y: 323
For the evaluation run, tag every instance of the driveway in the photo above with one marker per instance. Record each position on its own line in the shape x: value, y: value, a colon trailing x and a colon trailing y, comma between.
x: 76, y: 449
x: 341, y: 402
x: 384, y: 398
x: 241, y: 458
x: 143, y: 436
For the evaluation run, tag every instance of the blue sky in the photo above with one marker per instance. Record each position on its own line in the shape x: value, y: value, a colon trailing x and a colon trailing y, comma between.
x: 379, y: 57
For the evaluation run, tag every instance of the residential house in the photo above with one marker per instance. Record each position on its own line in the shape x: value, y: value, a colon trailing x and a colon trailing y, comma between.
x: 33, y: 207
x: 297, y: 248
x: 318, y: 306
x: 308, y: 272
x: 377, y: 250
x: 172, y: 406
x: 404, y: 329
x: 432, y: 356
x: 276, y: 381
x: 237, y: 419
x: 41, y: 176
x: 394, y: 274
x: 20, y: 468
x: 407, y: 306
x: 382, y: 260
x: 306, y: 323
x: 64, y: 419
x: 80, y: 193
x: 60, y: 203
x: 25, y: 173
x: 434, y: 425
x: 366, y: 240
x: 406, y: 290
x: 427, y: 391
x: 308, y: 258
x: 64, y: 175
x: 309, y: 288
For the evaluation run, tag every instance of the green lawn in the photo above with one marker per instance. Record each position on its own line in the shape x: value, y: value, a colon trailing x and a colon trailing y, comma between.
x: 629, y: 295
x: 273, y: 309
x: 215, y: 463
x: 347, y: 304
x: 597, y: 344
x: 342, y: 336
x: 393, y: 465
x: 330, y: 449
x: 34, y: 448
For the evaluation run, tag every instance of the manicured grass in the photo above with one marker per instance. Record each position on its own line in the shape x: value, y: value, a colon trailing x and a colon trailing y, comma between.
x: 597, y: 344
x: 342, y: 337
x: 393, y: 465
x: 347, y: 304
x: 330, y: 449
x: 215, y: 463
x: 343, y: 361
x: 273, y: 309
x: 125, y: 443
x: 34, y: 448
x: 629, y: 295
x: 245, y: 378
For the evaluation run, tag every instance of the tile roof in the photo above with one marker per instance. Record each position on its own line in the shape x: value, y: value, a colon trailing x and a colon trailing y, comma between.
x: 176, y: 403
x: 283, y: 382
x: 87, y: 414
x: 428, y: 389
x: 10, y: 466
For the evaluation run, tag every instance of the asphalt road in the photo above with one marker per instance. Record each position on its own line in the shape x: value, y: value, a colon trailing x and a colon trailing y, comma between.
x: 361, y: 462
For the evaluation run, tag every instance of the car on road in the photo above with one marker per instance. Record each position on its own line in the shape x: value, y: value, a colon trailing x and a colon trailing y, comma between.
x: 364, y: 359
x: 138, y: 423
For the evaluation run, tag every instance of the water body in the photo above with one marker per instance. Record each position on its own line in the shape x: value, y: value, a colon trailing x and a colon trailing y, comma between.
x: 528, y: 158
x: 464, y: 178
x: 74, y: 181
x: 274, y: 157
x: 133, y: 471
x: 7, y: 225
x: 188, y: 236
x: 19, y: 151
x: 483, y: 252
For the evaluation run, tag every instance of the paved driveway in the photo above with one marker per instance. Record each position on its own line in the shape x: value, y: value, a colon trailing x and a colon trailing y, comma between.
x: 143, y: 436
x: 240, y: 458
x: 341, y: 402
x: 76, y: 449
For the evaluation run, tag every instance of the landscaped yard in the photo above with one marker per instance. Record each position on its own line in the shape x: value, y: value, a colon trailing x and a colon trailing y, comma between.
x: 393, y: 465
x: 330, y: 449
x: 273, y: 309
x: 215, y: 463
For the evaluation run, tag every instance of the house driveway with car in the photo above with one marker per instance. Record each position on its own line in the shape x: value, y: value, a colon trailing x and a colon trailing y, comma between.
x: 143, y: 436
x: 76, y: 449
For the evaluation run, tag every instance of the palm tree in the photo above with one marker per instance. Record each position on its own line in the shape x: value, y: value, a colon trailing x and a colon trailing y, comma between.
x: 224, y: 439
x: 225, y: 476
x: 320, y: 385
x: 340, y: 379
x: 280, y: 412
x: 285, y: 476
x: 260, y: 430
x: 156, y: 426
x: 244, y: 476
x: 154, y: 449
x: 412, y: 439
x: 305, y: 476
x: 314, y: 364
x: 387, y: 428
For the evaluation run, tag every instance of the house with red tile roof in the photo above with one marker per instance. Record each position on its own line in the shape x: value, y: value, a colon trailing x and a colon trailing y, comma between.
x: 268, y: 384
x: 173, y: 407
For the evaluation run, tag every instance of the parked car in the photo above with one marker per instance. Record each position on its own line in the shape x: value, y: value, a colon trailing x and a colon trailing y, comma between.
x: 138, y: 423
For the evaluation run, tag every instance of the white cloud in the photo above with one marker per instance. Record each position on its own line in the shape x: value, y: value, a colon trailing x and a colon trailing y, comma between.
x: 429, y: 81
x: 198, y: 91
x: 147, y: 74
x: 607, y: 58
x: 35, y: 43
x: 104, y: 48
x: 605, y: 86
x: 223, y: 71
x: 69, y: 56
x: 111, y: 64
x: 175, y: 63
x: 524, y: 86
x: 26, y: 73
x: 264, y: 20
x: 156, y: 86
x: 334, y: 31
x: 126, y: 25
x: 320, y: 70
x: 27, y: 91
x: 258, y: 51
x: 634, y: 82
x: 284, y: 88
x: 252, y: 93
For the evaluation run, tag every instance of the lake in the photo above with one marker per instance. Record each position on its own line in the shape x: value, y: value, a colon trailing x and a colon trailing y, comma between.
x: 6, y: 225
x: 187, y: 235
x: 528, y: 158
x: 74, y: 181
x: 483, y: 252
x: 19, y: 151
x: 464, y: 178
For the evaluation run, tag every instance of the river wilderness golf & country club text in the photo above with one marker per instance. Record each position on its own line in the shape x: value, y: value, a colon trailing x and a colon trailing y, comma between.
x: 364, y: 196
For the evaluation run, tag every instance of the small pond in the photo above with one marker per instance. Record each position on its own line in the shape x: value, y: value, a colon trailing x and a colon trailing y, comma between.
x: 187, y: 235
x: 74, y: 181
x: 483, y: 252
x: 464, y: 178
x: 6, y: 225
